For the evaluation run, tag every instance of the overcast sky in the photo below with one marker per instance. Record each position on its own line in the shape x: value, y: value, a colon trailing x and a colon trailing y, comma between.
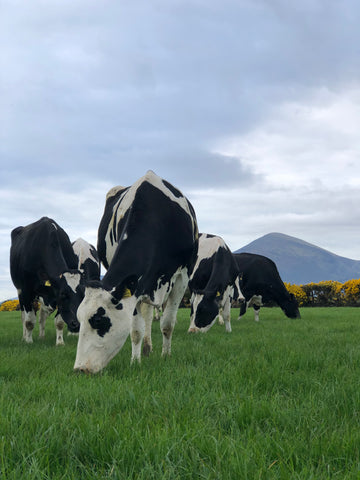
x: 250, y: 107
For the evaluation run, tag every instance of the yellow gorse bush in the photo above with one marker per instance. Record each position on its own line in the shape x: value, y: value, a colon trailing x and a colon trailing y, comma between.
x: 298, y: 293
x: 9, y: 306
x: 328, y: 292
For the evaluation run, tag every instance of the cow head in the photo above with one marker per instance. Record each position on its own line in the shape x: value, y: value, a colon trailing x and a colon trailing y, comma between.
x: 69, y: 293
x: 105, y: 321
x: 205, y: 309
x: 290, y: 307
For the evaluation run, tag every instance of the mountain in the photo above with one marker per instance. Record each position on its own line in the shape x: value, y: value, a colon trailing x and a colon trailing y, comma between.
x: 301, y: 262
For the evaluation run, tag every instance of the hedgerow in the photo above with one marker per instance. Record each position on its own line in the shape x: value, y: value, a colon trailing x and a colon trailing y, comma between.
x: 327, y: 293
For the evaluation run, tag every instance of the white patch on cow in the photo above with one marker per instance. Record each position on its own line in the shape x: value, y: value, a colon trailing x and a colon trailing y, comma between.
x: 72, y: 279
x: 237, y: 284
x: 113, y: 191
x: 225, y: 307
x: 52, y: 223
x: 195, y: 300
x: 94, y: 351
x: 207, y: 247
x: 83, y: 251
x: 125, y: 236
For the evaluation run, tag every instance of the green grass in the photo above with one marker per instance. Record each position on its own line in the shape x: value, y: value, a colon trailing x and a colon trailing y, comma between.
x: 275, y: 400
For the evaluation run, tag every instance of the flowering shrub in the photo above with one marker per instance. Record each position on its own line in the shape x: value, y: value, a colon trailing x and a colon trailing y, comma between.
x: 298, y: 293
x: 327, y: 293
x: 350, y: 292
x: 10, y: 306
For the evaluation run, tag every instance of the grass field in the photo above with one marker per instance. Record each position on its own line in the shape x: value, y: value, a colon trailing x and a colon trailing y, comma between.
x: 275, y: 400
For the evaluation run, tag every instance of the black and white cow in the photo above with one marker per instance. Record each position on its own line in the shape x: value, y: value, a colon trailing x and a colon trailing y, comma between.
x: 147, y: 240
x: 43, y: 266
x: 87, y: 261
x: 214, y: 282
x: 261, y: 282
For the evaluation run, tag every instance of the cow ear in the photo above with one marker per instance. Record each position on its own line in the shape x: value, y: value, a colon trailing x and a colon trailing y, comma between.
x: 126, y: 288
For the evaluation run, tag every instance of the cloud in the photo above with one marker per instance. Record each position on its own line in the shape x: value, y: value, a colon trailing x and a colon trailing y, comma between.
x: 309, y: 143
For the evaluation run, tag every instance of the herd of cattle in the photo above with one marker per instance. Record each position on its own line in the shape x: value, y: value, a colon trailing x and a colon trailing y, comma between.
x: 148, y: 242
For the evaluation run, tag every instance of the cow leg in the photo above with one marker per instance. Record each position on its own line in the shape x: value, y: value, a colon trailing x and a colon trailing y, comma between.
x: 42, y: 319
x: 256, y: 312
x: 221, y: 316
x: 147, y: 314
x: 227, y: 314
x: 137, y: 334
x: 168, y: 319
x: 192, y: 327
x: 243, y: 307
x: 28, y: 321
x: 59, y: 325
x: 44, y: 312
x: 28, y: 315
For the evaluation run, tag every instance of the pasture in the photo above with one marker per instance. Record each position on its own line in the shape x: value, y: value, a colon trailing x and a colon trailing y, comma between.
x: 275, y: 400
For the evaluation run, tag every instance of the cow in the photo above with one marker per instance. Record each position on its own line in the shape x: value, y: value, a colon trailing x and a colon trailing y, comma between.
x: 43, y: 266
x: 213, y: 283
x: 261, y: 282
x: 89, y: 265
x: 147, y: 241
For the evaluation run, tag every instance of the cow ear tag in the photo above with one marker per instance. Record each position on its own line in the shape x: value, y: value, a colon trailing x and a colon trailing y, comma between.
x: 127, y: 293
x: 218, y: 294
x: 47, y: 283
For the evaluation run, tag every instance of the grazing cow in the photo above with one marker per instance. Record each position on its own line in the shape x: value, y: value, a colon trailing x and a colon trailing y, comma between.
x: 43, y: 266
x: 261, y: 282
x: 214, y: 282
x: 89, y: 265
x: 147, y: 240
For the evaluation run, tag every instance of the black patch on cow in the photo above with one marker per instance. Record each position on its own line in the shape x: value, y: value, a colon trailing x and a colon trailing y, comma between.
x: 206, y: 312
x: 172, y: 189
x: 135, y: 312
x: 100, y: 323
x: 94, y: 284
x: 119, y: 307
x: 113, y: 231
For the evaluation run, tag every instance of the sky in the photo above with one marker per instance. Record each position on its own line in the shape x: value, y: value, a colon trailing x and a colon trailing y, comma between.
x: 250, y: 107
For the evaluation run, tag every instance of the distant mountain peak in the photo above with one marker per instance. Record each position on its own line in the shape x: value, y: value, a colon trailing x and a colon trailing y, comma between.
x: 301, y: 262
